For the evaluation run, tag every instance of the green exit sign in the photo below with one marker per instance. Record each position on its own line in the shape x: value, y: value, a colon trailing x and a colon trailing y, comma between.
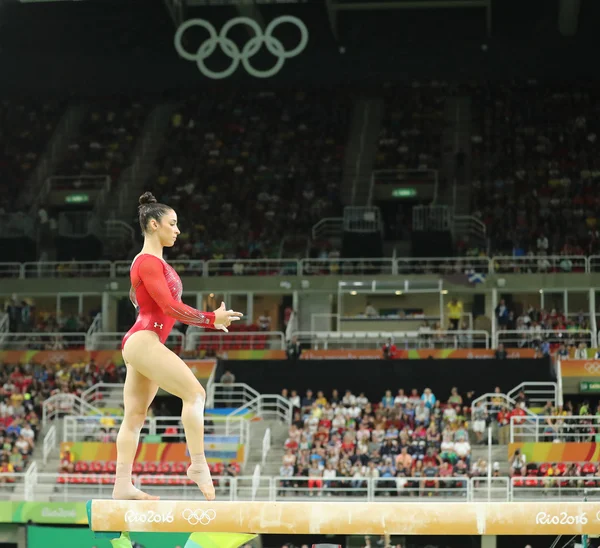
x: 77, y: 198
x: 404, y: 193
x: 586, y: 386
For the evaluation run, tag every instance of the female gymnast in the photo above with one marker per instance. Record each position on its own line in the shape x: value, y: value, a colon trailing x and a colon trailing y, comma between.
x: 156, y: 292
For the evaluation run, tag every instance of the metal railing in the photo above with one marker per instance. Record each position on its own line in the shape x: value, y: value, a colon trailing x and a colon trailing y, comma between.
x: 574, y: 488
x: 4, y: 327
x: 348, y: 267
x: 104, y: 394
x: 525, y: 339
x: 540, y: 264
x: 402, y: 339
x: 246, y: 400
x: 492, y: 402
x: 446, y: 266
x: 538, y: 393
x: 219, y: 340
x: 50, y: 443
x: 43, y: 341
x: 72, y: 269
x: 80, y: 428
x: 303, y: 267
x: 255, y: 267
x: 551, y: 428
x: 230, y: 394
x: 266, y: 446
x: 60, y: 405
x: 75, y: 487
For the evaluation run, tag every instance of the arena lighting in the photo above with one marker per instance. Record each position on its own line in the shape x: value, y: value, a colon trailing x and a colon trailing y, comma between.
x: 346, y: 518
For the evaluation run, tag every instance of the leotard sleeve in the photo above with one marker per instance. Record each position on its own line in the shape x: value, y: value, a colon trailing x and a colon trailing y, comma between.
x: 152, y: 274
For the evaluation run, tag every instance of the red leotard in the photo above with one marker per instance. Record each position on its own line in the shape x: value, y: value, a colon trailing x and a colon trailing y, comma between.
x: 156, y: 291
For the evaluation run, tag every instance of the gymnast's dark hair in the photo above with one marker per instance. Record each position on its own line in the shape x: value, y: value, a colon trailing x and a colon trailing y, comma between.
x: 149, y: 208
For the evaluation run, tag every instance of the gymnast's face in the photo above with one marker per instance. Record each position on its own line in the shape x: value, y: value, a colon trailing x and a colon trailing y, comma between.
x: 165, y: 229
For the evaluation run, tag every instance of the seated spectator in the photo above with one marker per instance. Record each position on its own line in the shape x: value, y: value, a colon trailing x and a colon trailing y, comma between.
x: 517, y: 464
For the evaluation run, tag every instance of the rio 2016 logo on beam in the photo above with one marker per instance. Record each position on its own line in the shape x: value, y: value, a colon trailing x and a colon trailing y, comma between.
x: 250, y: 48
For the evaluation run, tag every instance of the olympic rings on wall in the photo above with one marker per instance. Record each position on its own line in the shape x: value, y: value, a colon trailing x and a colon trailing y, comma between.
x: 231, y: 49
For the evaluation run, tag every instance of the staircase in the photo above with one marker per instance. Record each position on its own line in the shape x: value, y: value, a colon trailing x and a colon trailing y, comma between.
x: 279, y: 433
x: 65, y: 133
x: 361, y: 150
x: 121, y: 206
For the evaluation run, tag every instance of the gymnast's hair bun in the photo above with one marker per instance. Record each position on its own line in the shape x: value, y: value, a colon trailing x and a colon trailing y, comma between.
x: 147, y: 198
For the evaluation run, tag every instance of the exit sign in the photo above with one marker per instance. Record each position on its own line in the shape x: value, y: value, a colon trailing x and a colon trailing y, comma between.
x: 586, y: 386
x: 404, y: 193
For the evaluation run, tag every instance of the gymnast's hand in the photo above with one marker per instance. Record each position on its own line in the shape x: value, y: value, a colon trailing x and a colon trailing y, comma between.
x: 224, y: 317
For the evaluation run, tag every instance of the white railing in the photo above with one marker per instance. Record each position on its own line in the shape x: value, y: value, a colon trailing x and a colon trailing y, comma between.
x: 98, y: 429
x: 75, y: 487
x: 328, y: 227
x: 540, y: 264
x: 12, y: 270
x: 95, y: 327
x: 31, y: 479
x: 4, y: 327
x: 255, y: 481
x: 104, y: 394
x: 231, y: 394
x: 252, y: 267
x: 113, y: 341
x: 246, y: 400
x: 524, y: 339
x: 402, y: 339
x: 12, y: 483
x: 491, y: 402
x: 266, y: 446
x: 72, y: 269
x: 266, y: 406
x: 348, y: 267
x: 538, y: 393
x: 294, y: 267
x: 66, y: 404
x: 50, y: 443
x: 43, y: 341
x: 444, y: 265
x: 574, y: 488
x: 489, y: 488
x: 551, y: 428
x: 219, y: 341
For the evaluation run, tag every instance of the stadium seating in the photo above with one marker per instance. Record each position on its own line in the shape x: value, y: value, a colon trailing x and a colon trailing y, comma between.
x: 265, y: 160
x: 26, y: 129
x: 107, y: 138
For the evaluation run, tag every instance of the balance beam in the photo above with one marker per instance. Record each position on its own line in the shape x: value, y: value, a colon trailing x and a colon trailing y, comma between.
x: 347, y: 518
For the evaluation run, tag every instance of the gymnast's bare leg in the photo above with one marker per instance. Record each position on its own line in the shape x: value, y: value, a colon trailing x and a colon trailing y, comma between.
x: 151, y: 359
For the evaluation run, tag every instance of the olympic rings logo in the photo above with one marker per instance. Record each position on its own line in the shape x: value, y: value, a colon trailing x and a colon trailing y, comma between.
x: 202, y: 517
x: 230, y: 48
x: 592, y: 367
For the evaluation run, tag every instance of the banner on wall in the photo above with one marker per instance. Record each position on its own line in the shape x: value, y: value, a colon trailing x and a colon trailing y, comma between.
x: 580, y: 368
x: 202, y: 369
x: 58, y: 513
x: 80, y: 537
x: 422, y: 354
x: 557, y: 452
x: 217, y: 449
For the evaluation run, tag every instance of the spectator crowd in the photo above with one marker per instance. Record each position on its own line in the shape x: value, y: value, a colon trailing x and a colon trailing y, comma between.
x: 336, y: 443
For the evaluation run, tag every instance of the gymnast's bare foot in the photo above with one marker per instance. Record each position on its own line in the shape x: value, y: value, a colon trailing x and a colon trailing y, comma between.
x: 130, y: 492
x: 200, y: 475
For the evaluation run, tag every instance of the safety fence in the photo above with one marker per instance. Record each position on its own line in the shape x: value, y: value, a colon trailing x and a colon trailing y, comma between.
x: 538, y: 264
x: 81, y: 487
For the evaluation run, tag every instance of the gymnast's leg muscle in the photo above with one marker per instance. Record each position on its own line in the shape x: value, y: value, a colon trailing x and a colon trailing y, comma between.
x: 149, y: 357
x: 138, y: 393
